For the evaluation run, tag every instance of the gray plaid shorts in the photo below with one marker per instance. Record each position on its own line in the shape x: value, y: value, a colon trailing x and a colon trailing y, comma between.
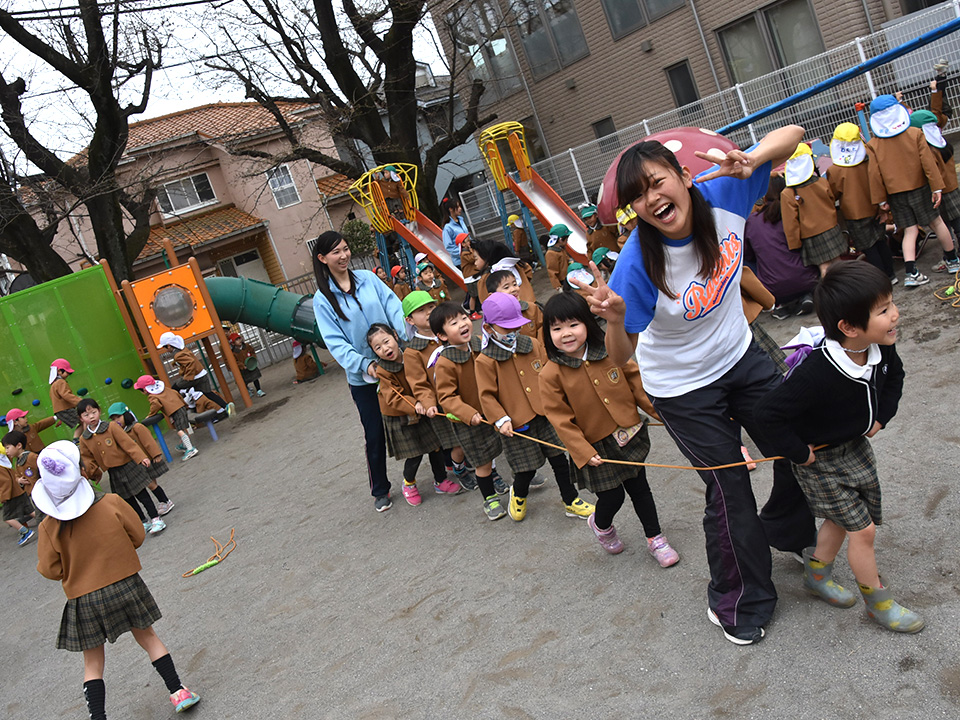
x: 480, y: 443
x: 127, y: 480
x: 824, y: 247
x: 913, y: 207
x: 864, y: 233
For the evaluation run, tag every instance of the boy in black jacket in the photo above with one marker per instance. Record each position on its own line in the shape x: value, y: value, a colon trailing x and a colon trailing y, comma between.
x: 846, y: 391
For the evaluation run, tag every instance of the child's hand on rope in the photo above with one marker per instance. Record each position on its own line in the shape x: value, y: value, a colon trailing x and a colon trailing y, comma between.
x: 432, y: 411
x: 476, y: 419
x: 595, y: 461
x: 507, y: 429
x: 419, y: 408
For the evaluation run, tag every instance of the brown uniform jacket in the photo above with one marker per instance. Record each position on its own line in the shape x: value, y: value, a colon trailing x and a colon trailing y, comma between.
x: 27, y: 471
x: 557, y: 261
x: 468, y: 261
x: 509, y: 383
x: 33, y: 430
x: 305, y: 366
x: 167, y: 402
x: 815, y: 212
x: 62, y: 396
x: 754, y: 296
x: 111, y: 447
x: 188, y: 364
x: 393, y: 379
x: 457, y: 381
x: 416, y: 355
x: 438, y: 291
x: 851, y: 187
x: 948, y: 170
x: 144, y: 438
x: 936, y: 107
x: 9, y: 487
x: 602, y: 236
x: 588, y: 400
x: 204, y: 403
x: 92, y: 551
x: 242, y: 353
x: 533, y: 313
x: 900, y: 164
x: 520, y: 240
x: 527, y: 293
x: 401, y: 289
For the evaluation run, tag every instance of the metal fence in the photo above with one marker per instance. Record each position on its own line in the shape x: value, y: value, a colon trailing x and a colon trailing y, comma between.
x: 577, y: 173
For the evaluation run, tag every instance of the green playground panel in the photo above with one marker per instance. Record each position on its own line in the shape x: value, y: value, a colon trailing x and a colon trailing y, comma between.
x: 74, y: 317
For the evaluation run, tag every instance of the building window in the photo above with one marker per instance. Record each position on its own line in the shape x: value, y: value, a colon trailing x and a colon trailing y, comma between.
x: 774, y: 37
x: 284, y: 189
x: 682, y: 84
x: 476, y: 29
x: 625, y: 16
x: 606, y: 133
x: 550, y: 33
x: 184, y: 195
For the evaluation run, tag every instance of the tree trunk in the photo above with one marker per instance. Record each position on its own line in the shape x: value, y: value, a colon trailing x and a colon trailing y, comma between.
x: 23, y: 241
x: 107, y: 221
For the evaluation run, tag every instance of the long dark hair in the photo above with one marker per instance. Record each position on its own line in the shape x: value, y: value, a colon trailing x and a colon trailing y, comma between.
x: 569, y: 306
x: 446, y: 205
x: 772, y: 213
x: 491, y: 252
x: 632, y: 183
x: 324, y: 244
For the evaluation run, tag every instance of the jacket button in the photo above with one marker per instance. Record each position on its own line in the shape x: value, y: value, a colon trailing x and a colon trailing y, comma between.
x: 596, y: 382
x: 606, y: 401
x: 587, y: 363
x: 527, y: 389
x: 521, y: 373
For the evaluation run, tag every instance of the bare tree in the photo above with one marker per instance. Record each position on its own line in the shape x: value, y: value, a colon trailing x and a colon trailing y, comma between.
x: 99, y: 49
x: 356, y: 64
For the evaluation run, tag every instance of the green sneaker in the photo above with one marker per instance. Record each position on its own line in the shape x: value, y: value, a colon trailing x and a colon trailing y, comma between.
x: 493, y: 509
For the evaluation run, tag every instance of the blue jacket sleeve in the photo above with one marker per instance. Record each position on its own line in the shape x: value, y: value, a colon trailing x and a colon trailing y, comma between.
x: 450, y: 242
x: 392, y: 307
x: 334, y: 337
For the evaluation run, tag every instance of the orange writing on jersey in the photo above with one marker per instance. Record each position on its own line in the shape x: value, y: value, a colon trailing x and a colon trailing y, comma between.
x: 700, y: 298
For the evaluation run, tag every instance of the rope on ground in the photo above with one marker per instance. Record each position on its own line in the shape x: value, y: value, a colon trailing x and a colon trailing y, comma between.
x: 950, y: 293
x: 218, y: 557
x: 453, y: 418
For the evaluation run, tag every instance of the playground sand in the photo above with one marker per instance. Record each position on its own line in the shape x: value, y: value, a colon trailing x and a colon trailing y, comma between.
x: 330, y: 610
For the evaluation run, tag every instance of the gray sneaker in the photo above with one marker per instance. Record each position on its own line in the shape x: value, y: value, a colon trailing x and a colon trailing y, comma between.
x: 915, y: 280
x: 499, y: 485
x: 537, y: 482
x: 465, y: 479
x: 382, y: 504
x: 493, y: 509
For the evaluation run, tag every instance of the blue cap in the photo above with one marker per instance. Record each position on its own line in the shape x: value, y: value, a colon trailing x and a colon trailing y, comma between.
x: 882, y: 102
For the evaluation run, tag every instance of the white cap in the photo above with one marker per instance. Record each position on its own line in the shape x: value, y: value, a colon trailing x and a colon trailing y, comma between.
x: 61, y: 492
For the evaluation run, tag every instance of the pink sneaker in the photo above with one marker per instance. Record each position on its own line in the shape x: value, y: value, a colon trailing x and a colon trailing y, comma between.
x: 662, y: 552
x: 183, y: 699
x: 447, y: 487
x: 608, y: 538
x: 411, y: 494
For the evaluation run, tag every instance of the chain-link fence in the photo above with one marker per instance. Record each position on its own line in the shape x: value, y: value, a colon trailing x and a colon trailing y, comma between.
x: 577, y: 173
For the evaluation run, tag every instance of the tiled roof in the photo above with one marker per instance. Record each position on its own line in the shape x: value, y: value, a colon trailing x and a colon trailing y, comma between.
x: 214, y: 121
x: 215, y: 224
x: 332, y: 185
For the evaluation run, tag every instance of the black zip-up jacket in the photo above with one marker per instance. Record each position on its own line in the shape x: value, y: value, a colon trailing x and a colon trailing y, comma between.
x: 820, y: 404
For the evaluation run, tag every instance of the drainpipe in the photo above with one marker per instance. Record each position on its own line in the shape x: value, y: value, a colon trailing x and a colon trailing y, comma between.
x: 706, y: 48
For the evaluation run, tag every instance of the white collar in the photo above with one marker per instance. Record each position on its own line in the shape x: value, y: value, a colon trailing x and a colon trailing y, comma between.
x: 846, y: 363
x: 431, y: 338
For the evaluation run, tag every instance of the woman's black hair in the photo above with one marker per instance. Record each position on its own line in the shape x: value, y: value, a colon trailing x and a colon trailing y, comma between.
x: 86, y: 403
x: 772, y: 213
x: 849, y: 291
x: 569, y: 306
x: 446, y: 205
x: 495, y: 278
x: 324, y: 244
x: 632, y: 180
x: 443, y: 312
x: 381, y: 327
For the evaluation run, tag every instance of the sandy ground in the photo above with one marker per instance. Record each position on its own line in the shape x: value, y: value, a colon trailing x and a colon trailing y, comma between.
x: 330, y: 610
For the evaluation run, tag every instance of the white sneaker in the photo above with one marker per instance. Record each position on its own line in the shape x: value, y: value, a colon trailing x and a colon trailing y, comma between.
x: 157, y: 526
x: 164, y: 507
x: 915, y: 280
x: 260, y: 393
x: 190, y: 453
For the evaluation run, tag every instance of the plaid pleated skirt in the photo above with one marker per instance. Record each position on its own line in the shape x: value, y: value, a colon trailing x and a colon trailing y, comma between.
x: 864, y: 233
x: 18, y: 507
x: 408, y: 441
x: 129, y: 479
x: 913, y: 207
x: 180, y: 420
x: 480, y: 443
x: 770, y: 347
x: 158, y: 468
x: 525, y: 455
x: 106, y: 614
x: 824, y: 247
x: 444, y: 431
x: 608, y: 476
x: 249, y: 375
x: 950, y: 205
x: 842, y: 485
x: 69, y: 417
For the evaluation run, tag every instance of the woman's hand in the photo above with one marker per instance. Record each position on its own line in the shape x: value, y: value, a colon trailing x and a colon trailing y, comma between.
x: 595, y: 461
x: 735, y: 163
x: 602, y: 300
x: 877, y: 427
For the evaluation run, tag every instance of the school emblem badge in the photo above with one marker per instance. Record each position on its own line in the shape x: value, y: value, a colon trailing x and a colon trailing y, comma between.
x: 537, y: 365
x: 28, y: 472
x: 613, y: 375
x: 108, y: 442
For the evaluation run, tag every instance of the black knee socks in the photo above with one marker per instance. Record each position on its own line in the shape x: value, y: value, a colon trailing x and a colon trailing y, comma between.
x: 144, y: 497
x: 410, y: 467
x: 216, y: 398
x: 521, y: 483
x: 438, y: 466
x: 168, y: 672
x: 561, y: 470
x: 160, y: 494
x: 256, y: 384
x: 639, y: 490
x: 136, y: 508
x: 95, y: 693
x: 485, y: 483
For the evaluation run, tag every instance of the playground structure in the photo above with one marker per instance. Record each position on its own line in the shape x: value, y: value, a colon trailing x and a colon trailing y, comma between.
x: 534, y: 193
x: 371, y: 191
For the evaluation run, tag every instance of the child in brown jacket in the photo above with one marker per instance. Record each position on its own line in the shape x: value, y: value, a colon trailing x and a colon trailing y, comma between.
x: 17, y: 420
x: 503, y: 281
x: 457, y: 392
x: 508, y: 377
x: 556, y: 257
x: 409, y: 436
x: 592, y: 403
x: 192, y: 372
x: 17, y: 510
x: 105, y: 447
x: 62, y: 398
x: 120, y: 414
x: 89, y: 544
x: 431, y: 283
x: 168, y: 402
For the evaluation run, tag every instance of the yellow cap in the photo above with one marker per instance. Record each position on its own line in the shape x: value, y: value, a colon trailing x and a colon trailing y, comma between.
x: 512, y: 219
x: 846, y: 132
x: 802, y: 149
x: 625, y: 215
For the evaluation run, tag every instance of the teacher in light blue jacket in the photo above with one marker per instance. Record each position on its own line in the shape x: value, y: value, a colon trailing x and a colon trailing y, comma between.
x: 346, y: 304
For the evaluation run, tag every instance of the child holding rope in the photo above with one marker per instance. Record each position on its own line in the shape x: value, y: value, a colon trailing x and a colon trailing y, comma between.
x: 409, y: 436
x: 844, y: 392
x: 592, y: 402
x: 508, y: 378
x: 89, y: 544
x: 168, y: 401
x: 120, y: 414
x: 504, y: 281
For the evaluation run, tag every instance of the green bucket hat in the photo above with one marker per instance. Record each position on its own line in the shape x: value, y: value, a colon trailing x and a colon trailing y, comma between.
x: 415, y: 300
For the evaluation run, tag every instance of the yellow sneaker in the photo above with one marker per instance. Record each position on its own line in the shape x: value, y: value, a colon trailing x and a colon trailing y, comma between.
x: 517, y: 507
x: 579, y: 508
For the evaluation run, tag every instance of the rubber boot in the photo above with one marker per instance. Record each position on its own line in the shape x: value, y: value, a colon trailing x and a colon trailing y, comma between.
x: 886, y: 611
x: 817, y: 579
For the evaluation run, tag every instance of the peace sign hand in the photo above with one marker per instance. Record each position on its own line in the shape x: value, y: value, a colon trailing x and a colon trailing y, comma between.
x: 735, y: 163
x: 602, y: 300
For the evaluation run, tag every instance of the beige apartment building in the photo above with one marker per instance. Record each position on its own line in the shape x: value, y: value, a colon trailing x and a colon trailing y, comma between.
x: 573, y: 71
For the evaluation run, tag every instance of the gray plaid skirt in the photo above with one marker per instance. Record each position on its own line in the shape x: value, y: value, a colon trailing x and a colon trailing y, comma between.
x: 127, y: 480
x: 950, y: 205
x: 249, y: 375
x: 524, y: 455
x: 180, y: 420
x: 18, y: 507
x: 770, y: 347
x: 444, y: 431
x: 608, y: 476
x: 842, y: 485
x: 70, y: 417
x: 157, y: 468
x: 864, y: 233
x: 408, y: 441
x: 106, y: 614
x: 913, y: 207
x: 824, y: 247
x: 480, y: 443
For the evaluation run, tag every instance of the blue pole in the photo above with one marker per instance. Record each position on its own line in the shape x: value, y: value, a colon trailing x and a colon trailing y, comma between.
x: 882, y: 59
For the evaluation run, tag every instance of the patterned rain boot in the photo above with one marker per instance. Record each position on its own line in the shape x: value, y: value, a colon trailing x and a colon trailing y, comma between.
x: 817, y: 579
x: 886, y: 611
